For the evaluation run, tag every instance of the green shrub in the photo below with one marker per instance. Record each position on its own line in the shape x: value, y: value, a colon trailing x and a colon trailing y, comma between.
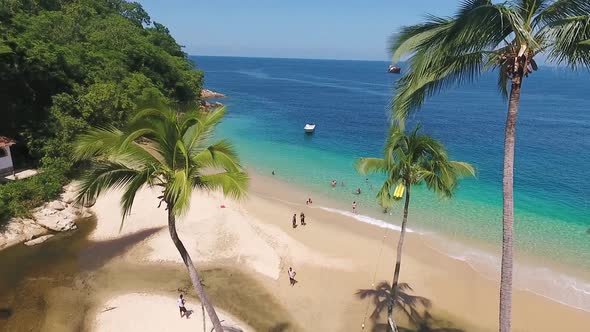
x: 18, y: 198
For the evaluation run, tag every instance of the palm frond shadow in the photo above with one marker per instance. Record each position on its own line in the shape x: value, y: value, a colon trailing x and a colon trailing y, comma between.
x: 413, y: 307
x: 408, y: 304
x: 430, y: 324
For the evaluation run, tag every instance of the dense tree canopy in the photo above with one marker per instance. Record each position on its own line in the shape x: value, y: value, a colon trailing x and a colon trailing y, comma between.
x: 67, y: 65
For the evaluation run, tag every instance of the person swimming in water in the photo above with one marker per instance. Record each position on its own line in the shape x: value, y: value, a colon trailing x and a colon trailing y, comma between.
x: 358, y: 191
x: 333, y: 183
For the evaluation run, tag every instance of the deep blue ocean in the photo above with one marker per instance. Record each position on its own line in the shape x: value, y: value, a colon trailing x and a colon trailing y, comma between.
x: 270, y: 100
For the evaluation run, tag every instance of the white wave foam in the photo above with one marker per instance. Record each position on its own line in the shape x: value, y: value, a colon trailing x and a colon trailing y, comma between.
x: 366, y: 219
x: 540, y: 280
x: 543, y: 281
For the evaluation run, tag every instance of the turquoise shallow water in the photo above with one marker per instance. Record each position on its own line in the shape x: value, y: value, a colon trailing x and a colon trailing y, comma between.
x: 271, y: 99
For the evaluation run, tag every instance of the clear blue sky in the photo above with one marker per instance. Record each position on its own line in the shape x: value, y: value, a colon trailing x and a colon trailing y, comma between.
x: 321, y: 29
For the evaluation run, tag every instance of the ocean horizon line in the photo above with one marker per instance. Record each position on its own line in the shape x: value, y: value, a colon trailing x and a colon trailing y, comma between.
x: 285, y: 58
x: 541, y: 65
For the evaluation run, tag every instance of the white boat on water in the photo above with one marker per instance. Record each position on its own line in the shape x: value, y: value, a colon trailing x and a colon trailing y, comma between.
x: 309, y: 127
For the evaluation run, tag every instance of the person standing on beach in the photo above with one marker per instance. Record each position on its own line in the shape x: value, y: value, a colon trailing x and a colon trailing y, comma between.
x: 302, y: 217
x: 181, y: 306
x: 295, y: 220
x: 292, y: 274
x: 354, y: 207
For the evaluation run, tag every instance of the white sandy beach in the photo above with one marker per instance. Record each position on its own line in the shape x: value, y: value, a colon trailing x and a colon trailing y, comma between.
x: 333, y: 256
x: 153, y: 313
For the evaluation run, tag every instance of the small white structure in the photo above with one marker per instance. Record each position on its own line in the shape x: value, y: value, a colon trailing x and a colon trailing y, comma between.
x: 309, y: 127
x: 6, y: 166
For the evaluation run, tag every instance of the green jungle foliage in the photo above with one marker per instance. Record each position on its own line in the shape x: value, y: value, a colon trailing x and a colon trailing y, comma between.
x: 68, y: 65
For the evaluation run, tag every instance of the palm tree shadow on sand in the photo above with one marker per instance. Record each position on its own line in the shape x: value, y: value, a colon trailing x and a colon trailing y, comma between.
x: 415, y: 309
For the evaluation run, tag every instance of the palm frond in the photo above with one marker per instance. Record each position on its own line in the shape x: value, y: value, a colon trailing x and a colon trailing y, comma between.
x: 194, y: 135
x: 463, y: 169
x: 568, y: 36
x: 214, y: 117
x: 529, y: 9
x: 97, y: 141
x: 178, y: 191
x: 102, y: 176
x: 131, y: 189
x: 233, y: 184
x: 503, y: 78
x: 384, y: 197
x: 371, y: 165
x: 189, y: 119
x: 220, y: 154
x: 410, y: 37
x: 149, y: 114
x: 427, y: 146
x: 451, y: 71
x: 561, y: 9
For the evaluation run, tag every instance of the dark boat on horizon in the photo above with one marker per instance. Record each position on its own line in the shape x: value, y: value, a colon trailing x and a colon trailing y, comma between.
x: 393, y: 69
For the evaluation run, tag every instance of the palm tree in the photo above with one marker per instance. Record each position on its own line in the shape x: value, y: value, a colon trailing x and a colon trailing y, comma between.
x: 482, y: 36
x: 162, y: 149
x: 411, y: 160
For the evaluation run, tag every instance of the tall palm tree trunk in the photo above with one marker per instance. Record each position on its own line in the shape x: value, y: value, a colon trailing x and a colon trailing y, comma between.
x: 398, y: 261
x: 508, y: 203
x: 192, y: 271
x: 203, y: 314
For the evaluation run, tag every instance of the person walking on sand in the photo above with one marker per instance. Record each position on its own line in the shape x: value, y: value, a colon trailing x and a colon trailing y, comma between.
x: 302, y: 217
x: 354, y: 207
x: 292, y: 274
x: 181, y: 306
x: 295, y: 220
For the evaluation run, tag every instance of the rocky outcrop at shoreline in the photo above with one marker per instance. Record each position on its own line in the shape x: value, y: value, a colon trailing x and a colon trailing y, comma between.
x: 20, y: 230
x: 209, y: 94
x: 55, y: 216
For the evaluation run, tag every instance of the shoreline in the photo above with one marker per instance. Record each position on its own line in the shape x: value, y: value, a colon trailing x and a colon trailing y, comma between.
x: 461, y: 291
x: 547, y: 229
x: 441, y: 242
